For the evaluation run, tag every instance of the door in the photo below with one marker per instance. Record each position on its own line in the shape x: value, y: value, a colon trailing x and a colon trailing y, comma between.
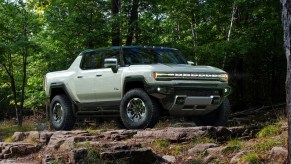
x: 107, y: 83
x: 85, y: 77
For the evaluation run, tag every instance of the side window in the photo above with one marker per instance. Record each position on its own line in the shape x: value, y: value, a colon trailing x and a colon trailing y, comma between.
x: 91, y: 61
x: 111, y: 54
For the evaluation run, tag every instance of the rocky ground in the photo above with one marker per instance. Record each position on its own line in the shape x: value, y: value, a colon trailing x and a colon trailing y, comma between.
x: 240, y: 142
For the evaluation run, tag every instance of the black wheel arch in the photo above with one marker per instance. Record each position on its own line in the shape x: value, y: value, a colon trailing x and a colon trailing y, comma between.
x: 131, y: 82
x: 59, y: 89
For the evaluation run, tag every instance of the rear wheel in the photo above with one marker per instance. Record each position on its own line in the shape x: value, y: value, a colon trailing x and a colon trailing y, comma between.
x: 138, y: 110
x: 218, y: 117
x: 61, y: 113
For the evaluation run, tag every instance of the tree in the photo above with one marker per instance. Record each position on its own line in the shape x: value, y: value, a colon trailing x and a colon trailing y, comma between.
x: 116, y: 34
x: 286, y: 14
x: 15, y: 49
x: 133, y: 23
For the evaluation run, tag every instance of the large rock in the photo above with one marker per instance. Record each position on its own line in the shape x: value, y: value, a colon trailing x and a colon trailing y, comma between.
x: 33, y: 136
x: 13, y: 149
x: 216, y: 151
x: 169, y: 158
x: 278, y: 155
x: 185, y: 134
x: 64, y: 140
x: 78, y: 155
x: 118, y: 135
x: 123, y: 144
x: 201, y: 148
x: 236, y: 158
x: 142, y: 155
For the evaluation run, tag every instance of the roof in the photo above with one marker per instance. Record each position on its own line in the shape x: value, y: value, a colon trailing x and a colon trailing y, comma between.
x: 124, y: 47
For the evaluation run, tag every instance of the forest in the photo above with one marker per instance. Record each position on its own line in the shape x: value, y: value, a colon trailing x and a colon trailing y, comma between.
x: 243, y: 37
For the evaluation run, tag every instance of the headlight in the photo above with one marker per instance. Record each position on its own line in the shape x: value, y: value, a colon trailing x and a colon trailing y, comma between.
x: 223, y: 77
x: 164, y: 75
x: 190, y: 76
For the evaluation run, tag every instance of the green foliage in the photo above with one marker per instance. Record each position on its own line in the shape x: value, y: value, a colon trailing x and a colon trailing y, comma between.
x: 267, y: 144
x: 93, y: 131
x: 59, y: 30
x: 203, y: 140
x: 270, y: 130
x: 231, y: 149
x: 252, y: 158
x: 83, y: 145
x: 8, y: 139
x: 233, y: 146
x: 235, y: 142
x: 176, y: 150
x: 161, y: 144
x: 7, y: 129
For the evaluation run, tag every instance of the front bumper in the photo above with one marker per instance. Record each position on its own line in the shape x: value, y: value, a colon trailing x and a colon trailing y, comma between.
x: 189, y: 99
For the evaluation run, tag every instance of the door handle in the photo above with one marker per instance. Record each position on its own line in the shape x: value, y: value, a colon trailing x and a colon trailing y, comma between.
x: 98, y: 75
x: 79, y: 77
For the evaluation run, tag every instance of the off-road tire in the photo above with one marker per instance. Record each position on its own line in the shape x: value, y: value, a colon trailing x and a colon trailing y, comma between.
x: 152, y: 112
x: 67, y: 119
x: 218, y: 117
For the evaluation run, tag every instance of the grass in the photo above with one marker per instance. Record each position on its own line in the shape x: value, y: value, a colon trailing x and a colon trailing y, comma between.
x: 235, y: 142
x: 267, y: 144
x: 198, y: 140
x: 161, y: 144
x: 7, y: 129
x: 162, y: 124
x: 165, y: 147
x: 8, y: 139
x: 251, y: 158
x: 233, y: 146
x: 268, y: 137
x: 269, y: 130
x: 93, y: 131
x: 82, y: 145
x: 30, y: 139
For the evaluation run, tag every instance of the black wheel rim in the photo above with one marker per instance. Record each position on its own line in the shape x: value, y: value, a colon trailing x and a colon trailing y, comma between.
x: 58, y: 113
x: 136, y: 110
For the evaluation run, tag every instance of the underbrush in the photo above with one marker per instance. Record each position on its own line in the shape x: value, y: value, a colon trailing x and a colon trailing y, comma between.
x: 7, y: 129
x: 30, y: 123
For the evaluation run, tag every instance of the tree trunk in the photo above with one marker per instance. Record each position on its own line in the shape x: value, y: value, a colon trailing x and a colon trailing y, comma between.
x: 24, y: 63
x: 116, y: 39
x: 9, y: 71
x: 230, y: 28
x: 286, y: 15
x: 194, y: 36
x: 89, y: 37
x: 133, y: 23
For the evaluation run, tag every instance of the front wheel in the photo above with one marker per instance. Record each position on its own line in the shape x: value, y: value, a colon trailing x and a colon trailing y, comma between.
x: 218, y: 117
x: 138, y: 110
x: 61, y: 113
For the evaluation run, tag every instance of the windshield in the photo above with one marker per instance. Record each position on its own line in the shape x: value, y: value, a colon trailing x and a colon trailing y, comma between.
x: 139, y: 55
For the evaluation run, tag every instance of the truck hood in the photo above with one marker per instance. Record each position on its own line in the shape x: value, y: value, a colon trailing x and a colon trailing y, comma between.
x: 60, y: 74
x: 177, y: 68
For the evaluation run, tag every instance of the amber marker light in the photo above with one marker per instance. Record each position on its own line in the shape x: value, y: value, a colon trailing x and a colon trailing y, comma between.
x: 224, y: 77
x: 155, y: 75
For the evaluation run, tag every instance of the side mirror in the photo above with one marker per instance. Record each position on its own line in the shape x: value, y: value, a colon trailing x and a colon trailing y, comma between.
x: 190, y: 62
x: 111, y: 63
